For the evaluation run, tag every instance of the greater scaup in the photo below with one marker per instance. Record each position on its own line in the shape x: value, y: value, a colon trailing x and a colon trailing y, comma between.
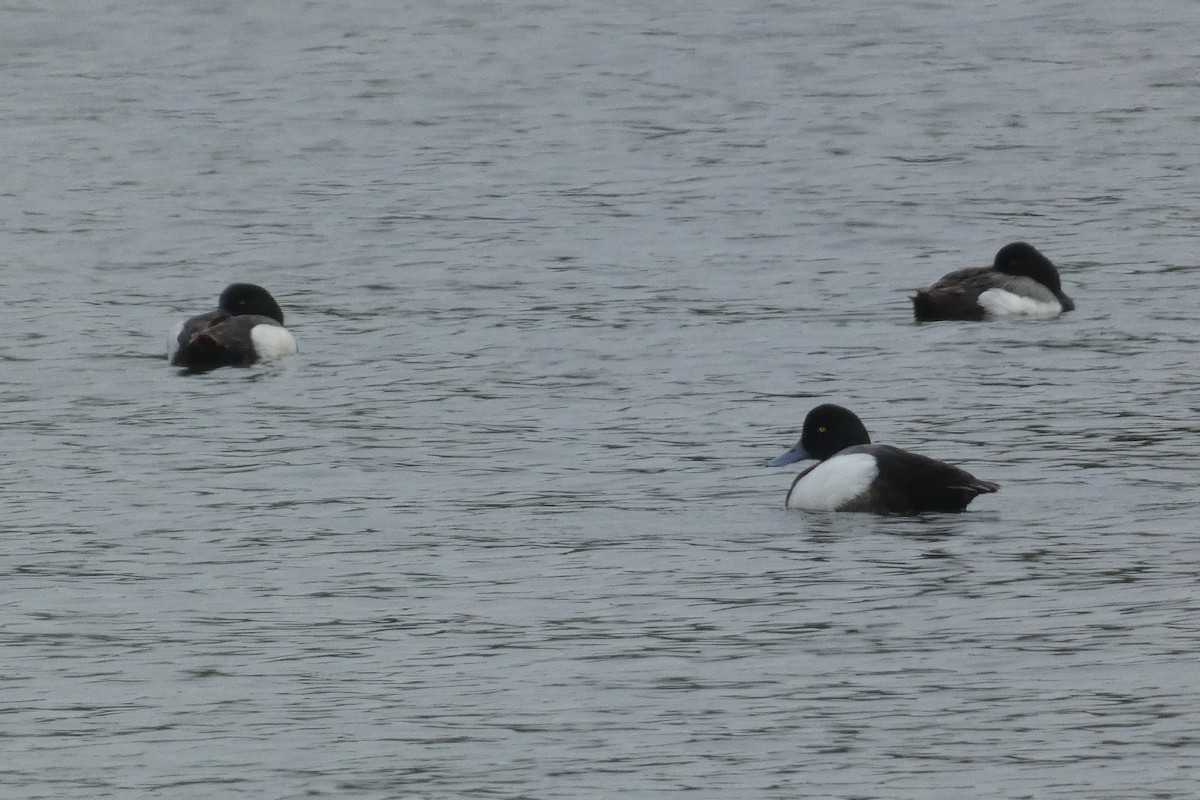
x: 855, y: 475
x: 245, y: 328
x: 1020, y: 283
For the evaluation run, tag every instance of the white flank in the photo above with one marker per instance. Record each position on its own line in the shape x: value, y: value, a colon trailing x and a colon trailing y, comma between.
x: 1000, y: 303
x: 173, y: 342
x: 272, y: 341
x: 834, y: 482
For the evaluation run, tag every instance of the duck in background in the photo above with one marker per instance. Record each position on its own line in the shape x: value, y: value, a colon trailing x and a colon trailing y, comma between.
x: 1020, y: 283
x: 855, y: 475
x: 245, y: 328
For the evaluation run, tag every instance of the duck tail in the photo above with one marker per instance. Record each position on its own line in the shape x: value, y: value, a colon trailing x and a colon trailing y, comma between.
x: 978, y: 487
x: 925, y: 308
x: 935, y: 304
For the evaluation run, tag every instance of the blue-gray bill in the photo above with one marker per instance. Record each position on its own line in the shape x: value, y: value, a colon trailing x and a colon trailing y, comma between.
x: 797, y: 453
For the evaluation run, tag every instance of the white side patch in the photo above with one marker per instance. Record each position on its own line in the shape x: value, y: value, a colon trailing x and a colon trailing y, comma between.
x: 834, y: 482
x: 173, y: 342
x: 272, y: 341
x: 999, y: 303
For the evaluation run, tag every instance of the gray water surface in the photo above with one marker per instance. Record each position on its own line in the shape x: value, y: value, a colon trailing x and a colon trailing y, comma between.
x: 565, y: 275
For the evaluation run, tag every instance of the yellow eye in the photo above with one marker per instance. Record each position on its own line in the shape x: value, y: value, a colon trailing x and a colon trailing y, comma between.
x: 820, y: 429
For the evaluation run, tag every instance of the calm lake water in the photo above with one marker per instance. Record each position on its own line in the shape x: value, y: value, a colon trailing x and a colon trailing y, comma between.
x: 565, y: 275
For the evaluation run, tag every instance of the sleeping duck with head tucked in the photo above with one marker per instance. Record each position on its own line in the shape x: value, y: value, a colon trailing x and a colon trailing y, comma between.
x: 1020, y: 283
x: 245, y: 328
x: 854, y: 475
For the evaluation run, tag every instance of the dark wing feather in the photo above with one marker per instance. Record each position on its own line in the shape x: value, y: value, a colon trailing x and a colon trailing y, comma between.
x: 218, y: 341
x: 199, y: 323
x: 912, y: 484
x: 955, y: 296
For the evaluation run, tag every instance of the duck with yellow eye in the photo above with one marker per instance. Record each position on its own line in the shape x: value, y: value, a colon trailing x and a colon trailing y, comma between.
x: 855, y: 475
